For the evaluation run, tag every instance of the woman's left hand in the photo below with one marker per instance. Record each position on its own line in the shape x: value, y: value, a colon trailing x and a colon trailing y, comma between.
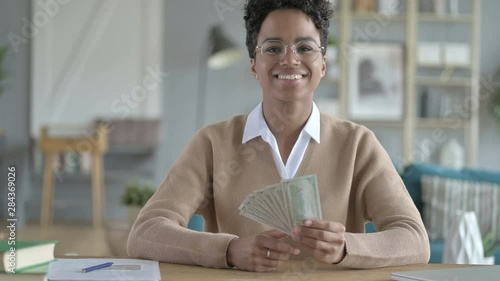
x: 325, y: 239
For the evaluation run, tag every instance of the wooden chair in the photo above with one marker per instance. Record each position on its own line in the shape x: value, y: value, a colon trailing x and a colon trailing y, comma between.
x: 97, y: 146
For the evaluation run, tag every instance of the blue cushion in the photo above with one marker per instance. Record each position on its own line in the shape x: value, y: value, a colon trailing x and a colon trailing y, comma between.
x: 196, y: 223
x: 437, y: 247
x: 412, y: 175
x: 370, y: 227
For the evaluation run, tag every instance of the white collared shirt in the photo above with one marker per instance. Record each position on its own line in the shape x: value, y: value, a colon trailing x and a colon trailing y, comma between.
x: 256, y: 126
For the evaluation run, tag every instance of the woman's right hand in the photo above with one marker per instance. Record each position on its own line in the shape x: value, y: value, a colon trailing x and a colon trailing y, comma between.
x: 262, y: 253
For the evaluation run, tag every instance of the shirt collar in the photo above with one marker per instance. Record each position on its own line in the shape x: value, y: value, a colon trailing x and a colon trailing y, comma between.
x: 256, y: 124
x: 312, y: 126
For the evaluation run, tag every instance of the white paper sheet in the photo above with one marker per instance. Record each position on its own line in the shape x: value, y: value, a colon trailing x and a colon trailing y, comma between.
x: 122, y: 269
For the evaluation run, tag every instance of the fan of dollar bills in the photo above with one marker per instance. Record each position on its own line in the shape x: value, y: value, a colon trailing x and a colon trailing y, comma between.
x: 285, y: 205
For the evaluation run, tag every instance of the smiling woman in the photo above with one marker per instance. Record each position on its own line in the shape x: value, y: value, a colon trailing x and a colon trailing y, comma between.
x: 283, y: 138
x: 287, y: 74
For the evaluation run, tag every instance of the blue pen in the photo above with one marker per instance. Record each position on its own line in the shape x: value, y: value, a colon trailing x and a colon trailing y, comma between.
x: 96, y: 267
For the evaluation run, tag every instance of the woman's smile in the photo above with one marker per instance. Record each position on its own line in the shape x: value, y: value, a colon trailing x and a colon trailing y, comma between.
x: 290, y: 79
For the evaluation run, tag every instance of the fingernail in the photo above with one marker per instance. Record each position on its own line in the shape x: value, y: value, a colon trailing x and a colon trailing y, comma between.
x: 307, y: 223
x: 296, y: 251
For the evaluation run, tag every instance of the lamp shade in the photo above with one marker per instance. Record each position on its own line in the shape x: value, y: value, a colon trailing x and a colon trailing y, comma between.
x: 222, y: 51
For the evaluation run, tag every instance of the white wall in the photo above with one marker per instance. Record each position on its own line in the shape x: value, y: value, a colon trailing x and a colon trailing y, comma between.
x: 229, y: 92
x: 14, y: 108
x: 90, y: 59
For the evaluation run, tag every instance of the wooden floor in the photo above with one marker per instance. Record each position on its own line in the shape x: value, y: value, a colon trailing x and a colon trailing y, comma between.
x: 73, y: 238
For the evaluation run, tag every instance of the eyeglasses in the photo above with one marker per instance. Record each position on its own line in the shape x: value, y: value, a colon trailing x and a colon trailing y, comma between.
x: 275, y: 50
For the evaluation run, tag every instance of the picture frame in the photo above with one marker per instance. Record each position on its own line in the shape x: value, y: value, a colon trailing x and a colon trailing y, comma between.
x: 364, y: 6
x: 376, y: 81
x: 390, y: 7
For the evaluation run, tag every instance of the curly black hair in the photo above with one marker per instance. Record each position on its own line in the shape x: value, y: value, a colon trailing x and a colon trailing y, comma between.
x: 256, y: 11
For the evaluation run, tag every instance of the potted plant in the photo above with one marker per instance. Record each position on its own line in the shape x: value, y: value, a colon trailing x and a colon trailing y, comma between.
x: 3, y: 54
x: 331, y: 49
x: 331, y: 57
x: 495, y: 105
x: 135, y: 197
x: 490, y: 246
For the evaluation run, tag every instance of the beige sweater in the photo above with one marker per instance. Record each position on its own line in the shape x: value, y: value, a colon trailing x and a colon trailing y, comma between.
x: 215, y: 172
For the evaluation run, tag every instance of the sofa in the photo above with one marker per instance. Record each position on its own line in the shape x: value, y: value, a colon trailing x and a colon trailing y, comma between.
x: 412, y: 177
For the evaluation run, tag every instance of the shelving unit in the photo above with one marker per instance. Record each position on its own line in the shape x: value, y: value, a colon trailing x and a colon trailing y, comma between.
x: 357, y: 16
x: 411, y: 122
x: 436, y: 82
x: 433, y: 18
x: 441, y: 123
x: 379, y: 123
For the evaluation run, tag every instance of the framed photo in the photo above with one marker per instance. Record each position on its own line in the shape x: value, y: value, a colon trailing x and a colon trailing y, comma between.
x: 364, y: 6
x: 376, y: 81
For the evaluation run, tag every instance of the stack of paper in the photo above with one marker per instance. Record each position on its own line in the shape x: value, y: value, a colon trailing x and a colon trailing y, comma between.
x: 122, y: 269
x: 285, y: 205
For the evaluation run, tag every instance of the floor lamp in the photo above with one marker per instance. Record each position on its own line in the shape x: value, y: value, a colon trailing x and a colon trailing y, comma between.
x: 219, y: 53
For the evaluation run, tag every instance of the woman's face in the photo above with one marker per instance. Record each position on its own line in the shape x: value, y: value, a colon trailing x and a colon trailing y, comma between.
x: 289, y: 79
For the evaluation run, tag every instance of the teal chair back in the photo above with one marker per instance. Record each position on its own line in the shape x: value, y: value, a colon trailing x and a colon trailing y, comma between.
x: 196, y: 223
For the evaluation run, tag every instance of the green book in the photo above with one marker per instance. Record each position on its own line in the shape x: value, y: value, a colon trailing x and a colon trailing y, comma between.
x: 35, y: 273
x: 25, y: 255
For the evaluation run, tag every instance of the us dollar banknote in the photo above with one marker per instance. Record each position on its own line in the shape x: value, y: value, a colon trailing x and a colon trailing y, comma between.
x: 285, y: 205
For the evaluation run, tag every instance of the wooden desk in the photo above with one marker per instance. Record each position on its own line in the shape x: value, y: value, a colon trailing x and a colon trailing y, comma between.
x: 291, y: 271
x: 309, y: 269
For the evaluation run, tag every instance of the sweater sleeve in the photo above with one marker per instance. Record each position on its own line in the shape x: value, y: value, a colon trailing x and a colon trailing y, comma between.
x: 160, y: 231
x: 383, y: 198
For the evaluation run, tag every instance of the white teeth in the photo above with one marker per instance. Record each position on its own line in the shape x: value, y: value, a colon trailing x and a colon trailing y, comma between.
x: 289, y: 77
